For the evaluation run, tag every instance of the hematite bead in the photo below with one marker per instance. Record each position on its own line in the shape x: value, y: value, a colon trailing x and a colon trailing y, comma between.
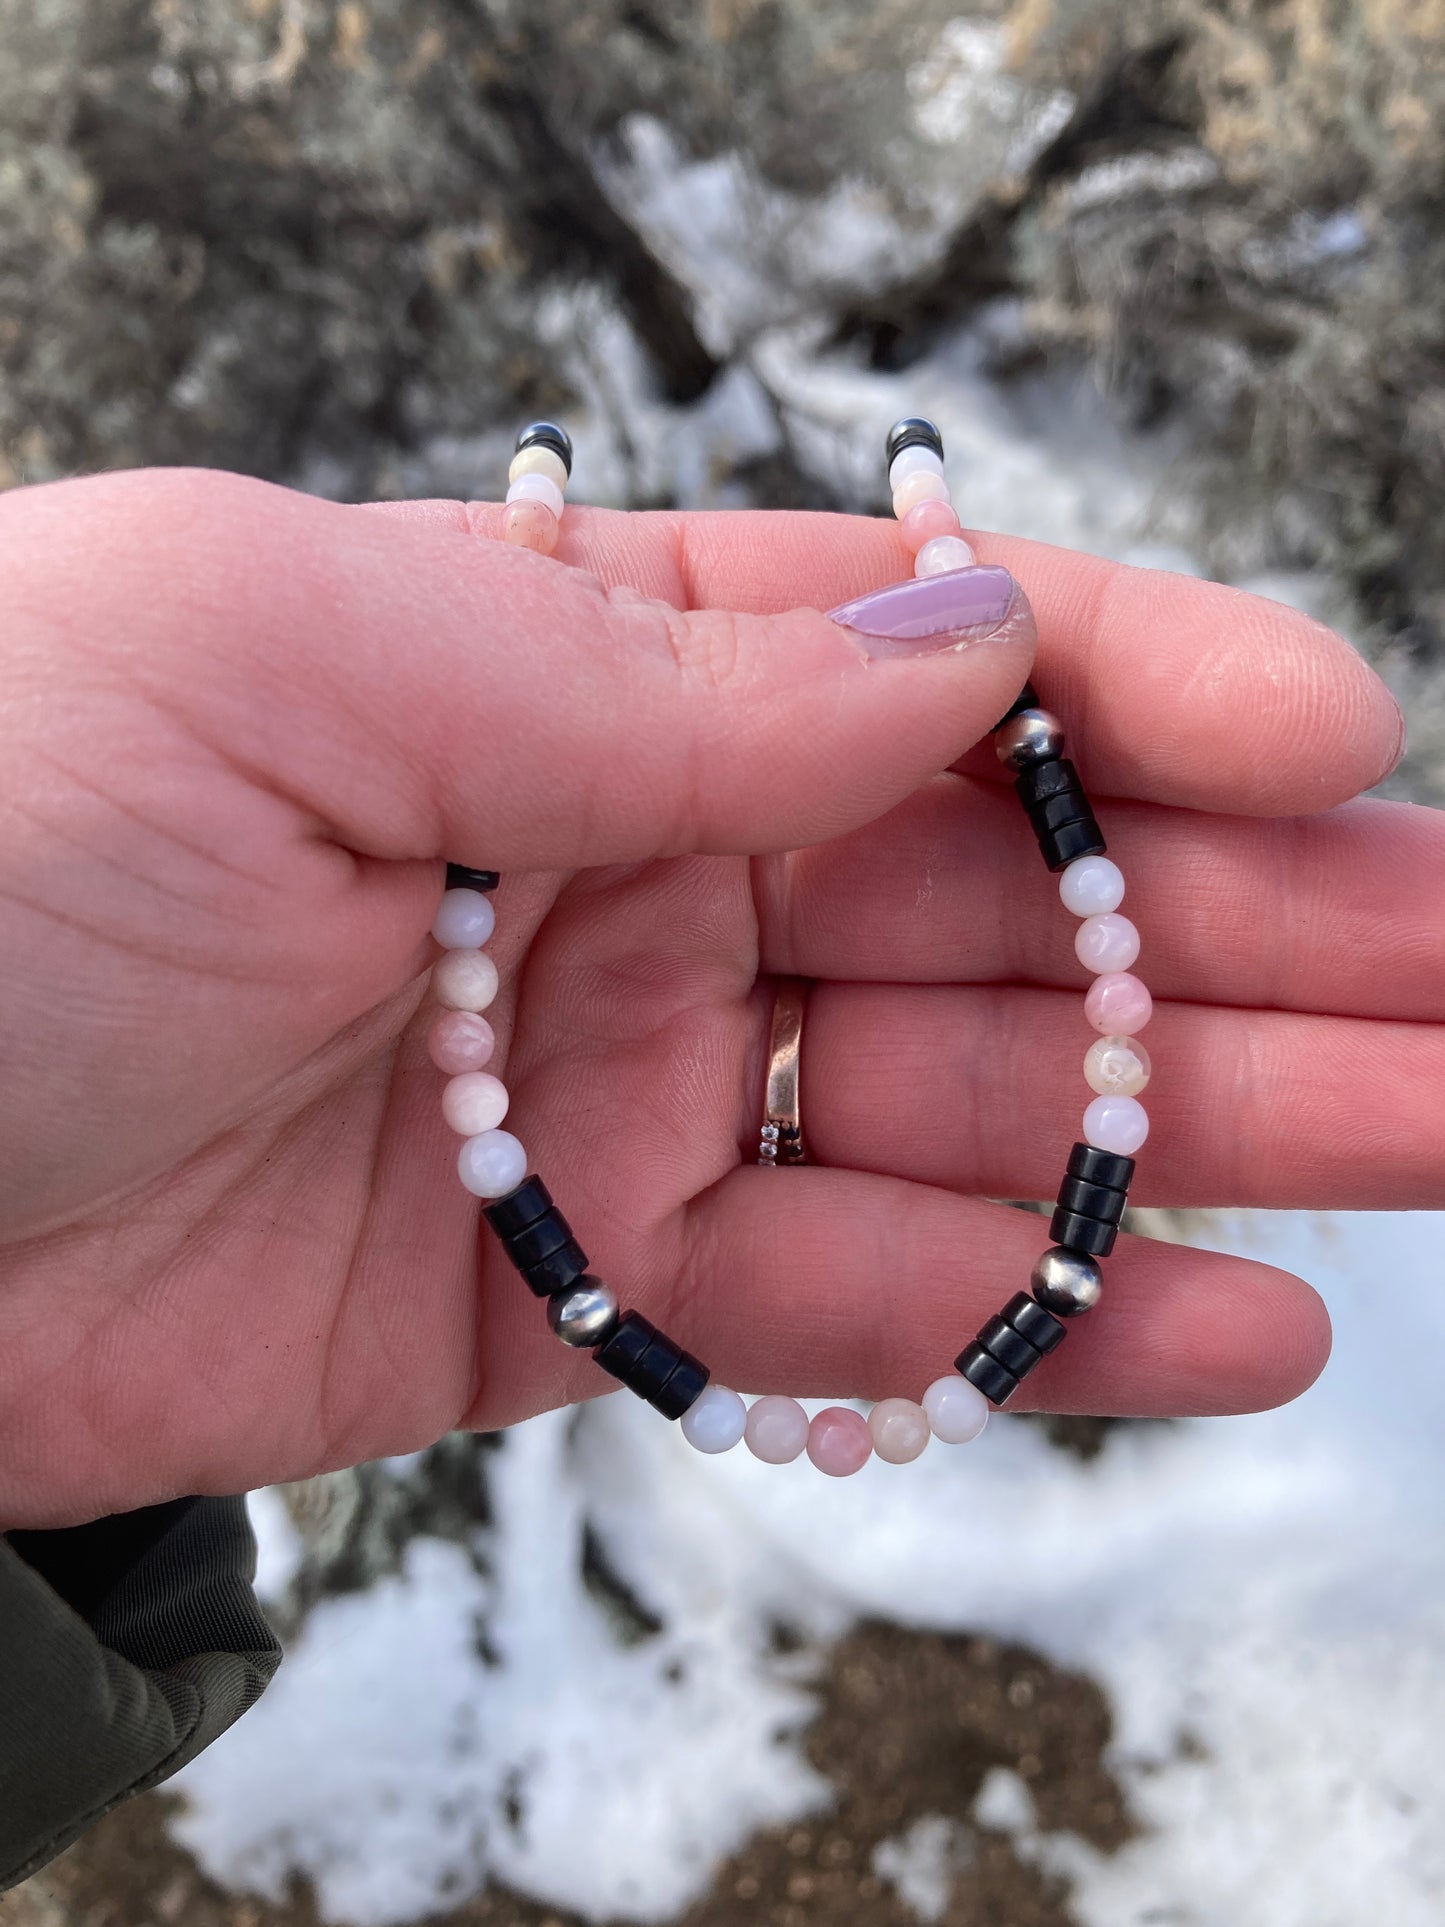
x: 1091, y: 1201
x: 684, y: 1386
x: 981, y: 1368
x: 459, y: 877
x: 1057, y: 777
x: 1027, y: 698
x: 627, y: 1344
x: 914, y: 431
x: 547, y: 435
x: 1031, y: 1321
x: 585, y: 1315
x: 530, y: 1201
x: 1009, y: 1347
x: 1087, y: 1161
x: 557, y: 1273
x: 1066, y: 1282
x: 1062, y: 847
x: 1094, y: 1236
x: 538, y: 1241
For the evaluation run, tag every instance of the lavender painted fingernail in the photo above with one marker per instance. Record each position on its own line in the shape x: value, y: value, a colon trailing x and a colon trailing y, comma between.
x: 937, y: 612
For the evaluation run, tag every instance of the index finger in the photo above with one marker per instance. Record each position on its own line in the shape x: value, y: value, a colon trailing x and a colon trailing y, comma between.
x: 1172, y: 690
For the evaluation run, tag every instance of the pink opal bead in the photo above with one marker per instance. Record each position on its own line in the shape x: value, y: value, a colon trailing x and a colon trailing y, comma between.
x: 1117, y: 1124
x: 1106, y: 943
x: 777, y: 1429
x: 460, y: 1040
x: 957, y: 1411
x: 916, y: 488
x: 464, y: 920
x: 1118, y: 1004
x: 1117, y: 1067
x: 899, y: 1430
x: 839, y: 1442
x: 475, y: 1102
x: 942, y: 554
x: 912, y: 461
x: 926, y: 520
x: 538, y: 488
x: 530, y: 525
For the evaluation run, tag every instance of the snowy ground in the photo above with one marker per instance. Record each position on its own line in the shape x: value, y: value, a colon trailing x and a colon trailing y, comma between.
x: 1263, y: 1599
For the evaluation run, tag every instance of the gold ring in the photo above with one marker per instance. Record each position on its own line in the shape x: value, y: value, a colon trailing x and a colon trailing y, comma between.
x: 781, y: 1141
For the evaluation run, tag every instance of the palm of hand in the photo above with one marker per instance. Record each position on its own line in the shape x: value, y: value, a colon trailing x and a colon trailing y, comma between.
x: 237, y: 1250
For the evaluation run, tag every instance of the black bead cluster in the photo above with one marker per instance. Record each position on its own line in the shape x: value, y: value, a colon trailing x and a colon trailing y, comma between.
x: 1056, y: 806
x: 647, y: 1362
x: 537, y: 1239
x: 1091, y: 1201
x: 1008, y: 1347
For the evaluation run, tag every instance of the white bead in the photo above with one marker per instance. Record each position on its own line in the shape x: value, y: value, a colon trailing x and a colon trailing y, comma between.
x: 464, y: 980
x: 464, y: 920
x: 715, y: 1421
x: 474, y: 1101
x: 943, y: 553
x: 1106, y: 944
x: 537, y: 488
x: 537, y: 460
x: 917, y: 488
x: 492, y: 1164
x: 957, y: 1411
x: 1117, y: 1124
x: 1117, y: 1067
x: 1092, y: 885
x: 916, y: 460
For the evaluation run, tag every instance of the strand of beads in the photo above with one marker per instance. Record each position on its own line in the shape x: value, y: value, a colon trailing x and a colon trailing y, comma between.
x: 537, y: 487
x: 1029, y: 740
x: 927, y: 520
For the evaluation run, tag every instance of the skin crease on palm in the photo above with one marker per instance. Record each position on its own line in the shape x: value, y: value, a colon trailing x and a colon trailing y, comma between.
x: 241, y: 730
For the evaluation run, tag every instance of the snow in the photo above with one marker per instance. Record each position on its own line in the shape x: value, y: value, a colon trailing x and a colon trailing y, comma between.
x: 1261, y: 1598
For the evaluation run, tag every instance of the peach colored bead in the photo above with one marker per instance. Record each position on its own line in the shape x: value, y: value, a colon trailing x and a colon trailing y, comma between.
x: 1118, y: 1004
x: 464, y: 980
x: 538, y: 460
x: 899, y: 1430
x: 777, y: 1429
x: 1117, y: 1067
x: 916, y: 488
x: 474, y: 1102
x: 460, y: 1040
x: 839, y: 1441
x: 530, y: 525
x: 925, y: 520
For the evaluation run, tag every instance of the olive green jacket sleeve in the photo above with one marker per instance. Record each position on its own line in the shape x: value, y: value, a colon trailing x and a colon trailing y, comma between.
x: 126, y: 1647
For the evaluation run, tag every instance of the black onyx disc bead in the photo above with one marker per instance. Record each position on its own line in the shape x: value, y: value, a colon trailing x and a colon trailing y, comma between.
x: 914, y: 431
x: 981, y: 1368
x: 459, y: 877
x: 648, y: 1363
x: 1029, y: 1319
x: 531, y: 1200
x: 547, y: 435
x: 1078, y: 1233
x: 559, y: 1272
x: 1094, y: 1166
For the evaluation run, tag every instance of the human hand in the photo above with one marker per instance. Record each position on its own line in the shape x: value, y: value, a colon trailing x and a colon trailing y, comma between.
x: 240, y: 730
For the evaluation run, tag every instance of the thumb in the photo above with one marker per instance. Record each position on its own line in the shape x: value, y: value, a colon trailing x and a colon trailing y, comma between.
x: 423, y: 691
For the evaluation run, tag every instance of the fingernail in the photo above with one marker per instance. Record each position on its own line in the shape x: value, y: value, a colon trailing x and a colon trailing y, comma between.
x: 934, y: 612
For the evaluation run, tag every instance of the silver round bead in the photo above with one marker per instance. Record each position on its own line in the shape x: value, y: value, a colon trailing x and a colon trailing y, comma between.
x: 1033, y: 736
x: 584, y: 1315
x: 1066, y: 1282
